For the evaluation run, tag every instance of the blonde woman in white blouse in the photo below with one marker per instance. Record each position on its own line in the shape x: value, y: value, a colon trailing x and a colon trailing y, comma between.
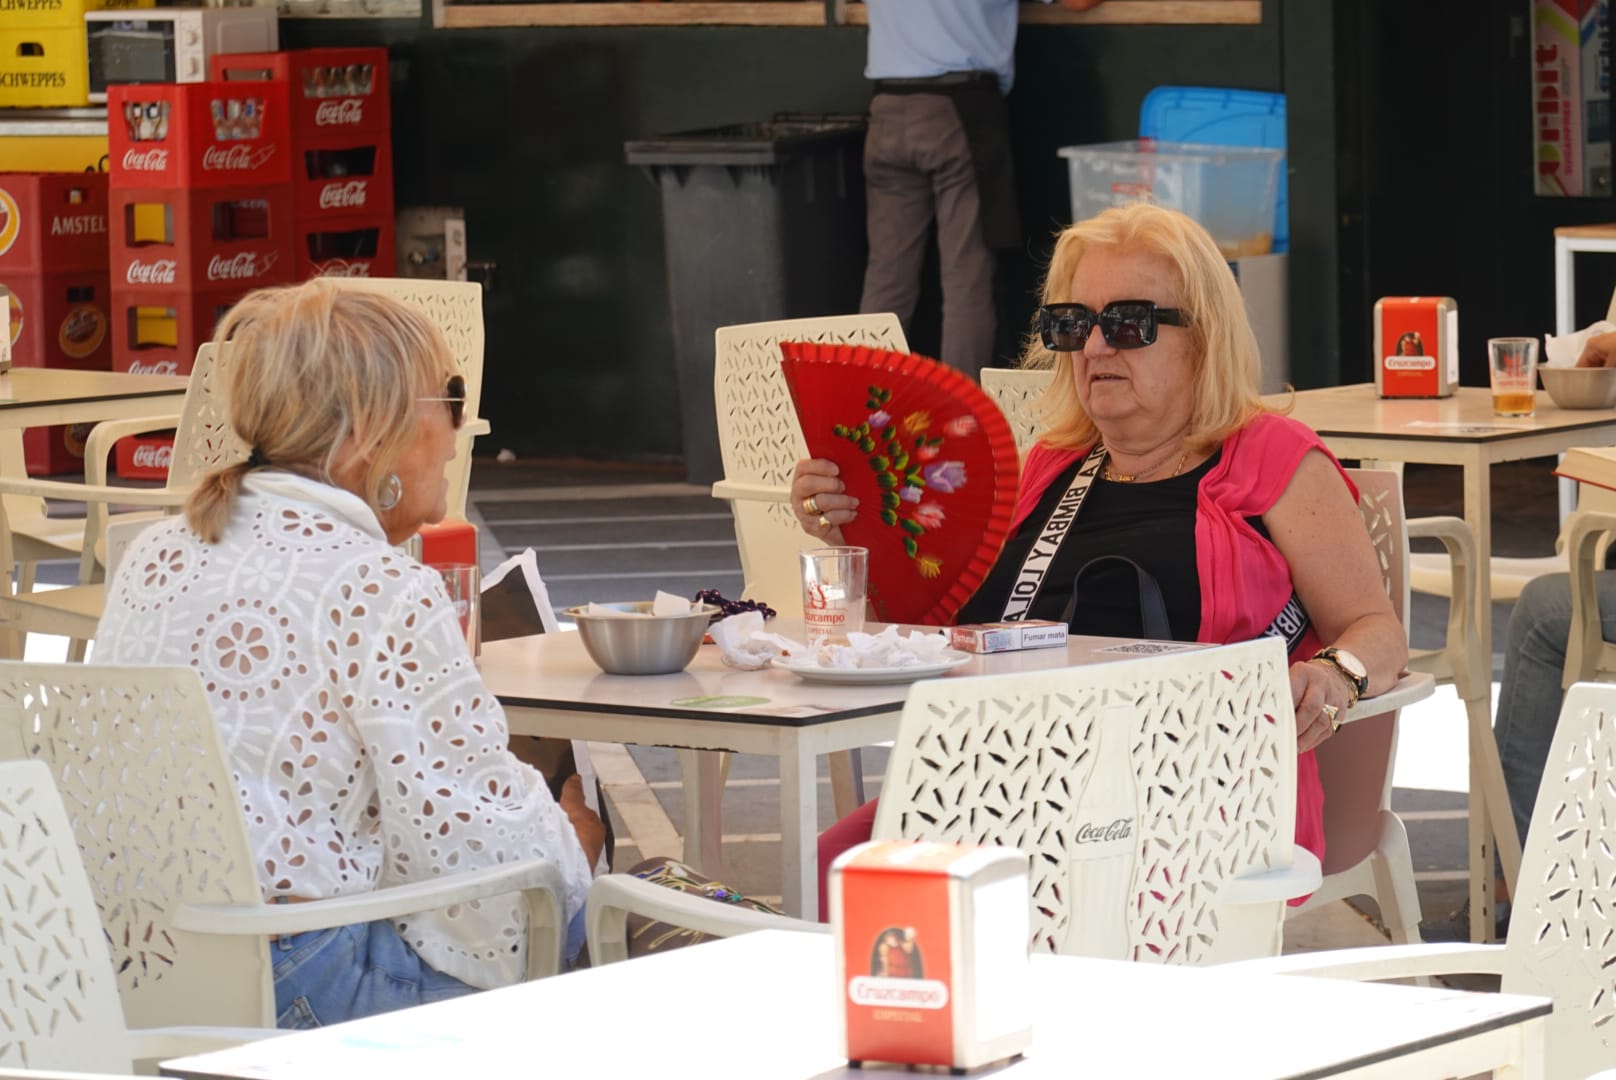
x: 366, y: 749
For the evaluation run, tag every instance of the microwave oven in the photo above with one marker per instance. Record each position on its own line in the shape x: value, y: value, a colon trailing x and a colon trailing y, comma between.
x: 149, y: 45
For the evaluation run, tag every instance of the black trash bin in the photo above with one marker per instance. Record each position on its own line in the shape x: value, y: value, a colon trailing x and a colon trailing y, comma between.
x: 762, y: 221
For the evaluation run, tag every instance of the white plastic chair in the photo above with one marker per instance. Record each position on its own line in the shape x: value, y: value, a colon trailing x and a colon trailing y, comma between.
x: 1193, y: 750
x: 762, y: 442
x: 1587, y: 533
x: 203, y: 441
x: 1016, y: 391
x: 1562, y: 930
x: 59, y: 1007
x: 135, y: 753
x: 1366, y: 845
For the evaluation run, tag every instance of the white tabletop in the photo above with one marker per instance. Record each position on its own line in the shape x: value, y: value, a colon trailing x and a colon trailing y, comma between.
x: 1466, y: 416
x: 765, y: 1005
x: 552, y: 671
x: 22, y: 387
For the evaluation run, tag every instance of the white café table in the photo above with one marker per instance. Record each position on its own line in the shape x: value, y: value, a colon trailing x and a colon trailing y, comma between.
x: 764, y: 1006
x: 549, y: 686
x: 34, y: 397
x: 1460, y: 430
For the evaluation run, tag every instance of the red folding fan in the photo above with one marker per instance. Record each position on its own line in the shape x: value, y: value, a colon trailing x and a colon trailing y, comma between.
x: 931, y: 460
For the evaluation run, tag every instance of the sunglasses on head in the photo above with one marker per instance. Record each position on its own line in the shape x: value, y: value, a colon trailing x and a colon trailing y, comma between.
x: 455, y: 394
x: 1125, y: 324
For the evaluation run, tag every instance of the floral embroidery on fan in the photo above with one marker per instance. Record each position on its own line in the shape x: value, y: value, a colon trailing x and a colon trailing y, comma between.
x: 907, y: 458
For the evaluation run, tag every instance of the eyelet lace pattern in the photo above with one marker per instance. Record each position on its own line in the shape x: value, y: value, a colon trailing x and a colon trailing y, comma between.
x: 365, y: 748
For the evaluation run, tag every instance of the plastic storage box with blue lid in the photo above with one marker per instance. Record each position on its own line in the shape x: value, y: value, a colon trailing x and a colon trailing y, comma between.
x: 1230, y: 190
x: 1223, y: 117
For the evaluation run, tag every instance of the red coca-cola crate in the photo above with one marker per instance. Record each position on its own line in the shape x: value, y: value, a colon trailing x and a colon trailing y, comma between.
x: 196, y: 135
x: 342, y: 177
x: 157, y: 331
x: 332, y: 90
x: 60, y: 320
x: 53, y: 222
x: 52, y: 451
x: 345, y: 247
x: 143, y: 457
x: 202, y: 239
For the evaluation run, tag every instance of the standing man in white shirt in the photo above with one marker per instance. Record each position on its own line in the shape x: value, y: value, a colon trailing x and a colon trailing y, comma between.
x: 938, y: 147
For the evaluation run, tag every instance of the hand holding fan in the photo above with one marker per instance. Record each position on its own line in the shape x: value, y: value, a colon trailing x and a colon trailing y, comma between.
x: 931, y: 460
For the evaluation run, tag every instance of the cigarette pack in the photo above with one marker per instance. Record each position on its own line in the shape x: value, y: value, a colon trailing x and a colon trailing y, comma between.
x: 1008, y: 636
x: 931, y: 956
x: 1416, y: 346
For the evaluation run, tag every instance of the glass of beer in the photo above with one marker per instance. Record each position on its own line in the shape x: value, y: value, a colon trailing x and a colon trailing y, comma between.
x: 1512, y: 367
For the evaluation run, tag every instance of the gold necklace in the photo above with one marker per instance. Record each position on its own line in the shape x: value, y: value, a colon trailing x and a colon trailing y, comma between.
x: 1130, y: 478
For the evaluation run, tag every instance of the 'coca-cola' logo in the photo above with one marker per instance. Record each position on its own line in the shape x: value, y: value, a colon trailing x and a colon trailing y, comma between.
x: 154, y: 159
x: 340, y: 113
x: 237, y: 158
x: 147, y: 456
x: 342, y: 196
x: 155, y: 367
x: 243, y: 266
x: 1090, y: 833
x: 157, y: 272
x: 343, y: 268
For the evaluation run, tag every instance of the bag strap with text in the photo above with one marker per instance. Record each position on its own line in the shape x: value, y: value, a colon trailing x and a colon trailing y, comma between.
x: 1041, y: 555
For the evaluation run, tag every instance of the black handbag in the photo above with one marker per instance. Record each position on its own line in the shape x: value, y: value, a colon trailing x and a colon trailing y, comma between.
x: 1152, y: 608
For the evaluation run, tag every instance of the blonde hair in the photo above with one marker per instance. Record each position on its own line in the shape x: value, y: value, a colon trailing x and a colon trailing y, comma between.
x: 311, y: 366
x: 1224, y: 385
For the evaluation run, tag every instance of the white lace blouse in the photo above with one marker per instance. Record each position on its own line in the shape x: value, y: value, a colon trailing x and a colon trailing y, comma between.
x: 365, y: 746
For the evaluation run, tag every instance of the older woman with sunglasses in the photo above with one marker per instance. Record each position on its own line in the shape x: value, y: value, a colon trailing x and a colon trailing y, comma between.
x: 365, y: 748
x: 1158, y: 452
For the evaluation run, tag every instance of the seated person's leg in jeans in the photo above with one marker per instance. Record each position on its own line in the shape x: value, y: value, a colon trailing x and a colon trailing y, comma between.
x: 1534, y: 662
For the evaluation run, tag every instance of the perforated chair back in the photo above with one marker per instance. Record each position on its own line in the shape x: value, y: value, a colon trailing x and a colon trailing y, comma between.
x: 59, y: 1004
x: 204, y: 440
x: 761, y: 441
x: 1016, y: 391
x: 1562, y: 927
x: 1139, y: 788
x: 135, y: 754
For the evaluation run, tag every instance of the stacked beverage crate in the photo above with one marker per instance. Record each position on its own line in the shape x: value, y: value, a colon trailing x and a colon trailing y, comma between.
x: 200, y: 213
x: 342, y: 155
x: 53, y: 265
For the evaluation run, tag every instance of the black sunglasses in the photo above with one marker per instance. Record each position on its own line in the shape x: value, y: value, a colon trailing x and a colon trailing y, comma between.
x: 1125, y: 324
x: 455, y: 394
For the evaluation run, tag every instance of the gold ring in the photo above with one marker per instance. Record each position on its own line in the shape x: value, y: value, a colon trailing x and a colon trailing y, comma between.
x: 1330, y: 713
x: 824, y: 522
x: 810, y: 506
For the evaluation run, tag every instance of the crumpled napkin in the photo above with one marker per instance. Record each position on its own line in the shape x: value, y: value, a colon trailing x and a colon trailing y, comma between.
x: 665, y: 603
x: 1563, y: 351
x: 744, y: 644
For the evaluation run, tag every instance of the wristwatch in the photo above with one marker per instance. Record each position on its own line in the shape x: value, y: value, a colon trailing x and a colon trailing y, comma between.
x: 1350, y: 667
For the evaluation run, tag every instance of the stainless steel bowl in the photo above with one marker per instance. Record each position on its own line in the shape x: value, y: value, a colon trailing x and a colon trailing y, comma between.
x: 1580, y: 388
x: 645, y: 644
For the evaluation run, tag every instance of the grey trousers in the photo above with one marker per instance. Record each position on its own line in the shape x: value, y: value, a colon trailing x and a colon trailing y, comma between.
x: 917, y: 166
x: 1530, y: 695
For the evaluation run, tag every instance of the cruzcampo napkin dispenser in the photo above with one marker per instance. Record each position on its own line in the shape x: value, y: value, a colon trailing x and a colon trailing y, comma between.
x: 932, y: 953
x: 1416, y: 346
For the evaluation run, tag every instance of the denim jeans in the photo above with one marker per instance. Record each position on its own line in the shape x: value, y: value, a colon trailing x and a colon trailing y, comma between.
x: 1529, y: 698
x: 328, y: 976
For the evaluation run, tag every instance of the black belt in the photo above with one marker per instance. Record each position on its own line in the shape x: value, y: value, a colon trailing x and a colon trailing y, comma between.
x: 934, y: 82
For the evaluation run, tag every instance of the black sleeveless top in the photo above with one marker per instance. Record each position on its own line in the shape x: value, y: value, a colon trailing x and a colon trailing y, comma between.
x: 1152, y: 523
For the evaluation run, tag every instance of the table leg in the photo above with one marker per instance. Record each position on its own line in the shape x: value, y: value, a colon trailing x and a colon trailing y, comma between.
x: 1478, y: 515
x: 1565, y: 287
x: 702, y: 773
x: 799, y: 828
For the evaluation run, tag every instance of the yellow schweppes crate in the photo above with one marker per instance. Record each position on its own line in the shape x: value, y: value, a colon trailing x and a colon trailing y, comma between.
x: 57, y: 14
x: 43, y: 68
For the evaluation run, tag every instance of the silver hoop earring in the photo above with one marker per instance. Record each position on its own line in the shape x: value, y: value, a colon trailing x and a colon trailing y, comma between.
x: 392, y: 491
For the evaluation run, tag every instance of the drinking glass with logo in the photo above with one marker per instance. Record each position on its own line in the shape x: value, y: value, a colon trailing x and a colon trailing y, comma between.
x: 464, y: 584
x: 834, y: 581
x: 1512, y: 368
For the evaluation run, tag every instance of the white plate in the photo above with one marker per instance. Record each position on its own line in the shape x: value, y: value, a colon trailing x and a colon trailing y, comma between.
x: 812, y: 672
